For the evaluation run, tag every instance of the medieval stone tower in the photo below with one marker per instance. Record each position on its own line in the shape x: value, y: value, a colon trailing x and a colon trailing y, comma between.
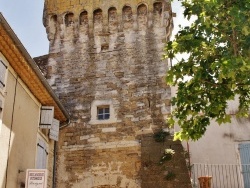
x: 105, y: 63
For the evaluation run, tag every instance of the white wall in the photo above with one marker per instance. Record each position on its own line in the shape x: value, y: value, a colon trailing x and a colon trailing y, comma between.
x: 18, y: 135
x: 219, y: 145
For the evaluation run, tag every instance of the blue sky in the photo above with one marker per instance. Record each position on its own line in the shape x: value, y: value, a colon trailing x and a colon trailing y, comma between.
x: 25, y: 18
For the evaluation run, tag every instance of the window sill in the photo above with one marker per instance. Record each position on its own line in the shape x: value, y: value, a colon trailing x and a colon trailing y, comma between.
x: 105, y: 121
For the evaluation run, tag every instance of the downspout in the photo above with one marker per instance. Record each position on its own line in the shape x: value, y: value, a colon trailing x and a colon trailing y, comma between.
x: 65, y: 124
x: 54, y: 166
x: 11, y: 127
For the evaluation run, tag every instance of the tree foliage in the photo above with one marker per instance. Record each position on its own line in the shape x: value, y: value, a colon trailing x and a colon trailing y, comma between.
x: 217, y: 68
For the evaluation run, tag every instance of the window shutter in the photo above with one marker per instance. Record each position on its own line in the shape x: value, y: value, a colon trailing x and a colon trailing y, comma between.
x: 46, y: 117
x: 41, y: 159
x: 39, y: 156
x: 3, y: 68
x: 44, y: 158
x: 54, y: 131
x: 244, y: 150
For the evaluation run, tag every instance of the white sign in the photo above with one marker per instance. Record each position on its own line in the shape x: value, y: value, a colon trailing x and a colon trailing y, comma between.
x: 54, y: 131
x: 36, y: 178
x: 47, y: 116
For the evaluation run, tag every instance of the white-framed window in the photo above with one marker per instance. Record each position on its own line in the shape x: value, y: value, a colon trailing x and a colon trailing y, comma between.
x: 3, y: 69
x: 102, y: 112
x: 42, y: 154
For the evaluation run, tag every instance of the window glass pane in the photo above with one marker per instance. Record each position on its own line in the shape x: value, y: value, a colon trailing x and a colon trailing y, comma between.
x: 100, y: 116
x: 106, y: 110
x: 100, y: 110
x: 106, y: 116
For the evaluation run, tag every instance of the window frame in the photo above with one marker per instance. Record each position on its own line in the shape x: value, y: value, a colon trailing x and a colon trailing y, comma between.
x: 100, y: 104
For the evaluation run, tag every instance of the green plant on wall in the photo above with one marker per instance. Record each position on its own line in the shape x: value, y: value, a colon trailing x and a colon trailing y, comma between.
x: 161, y: 136
x: 170, y: 176
x: 168, y: 154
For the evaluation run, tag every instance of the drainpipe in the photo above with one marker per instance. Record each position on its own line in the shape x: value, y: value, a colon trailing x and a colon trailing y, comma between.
x: 54, y: 166
x: 11, y: 127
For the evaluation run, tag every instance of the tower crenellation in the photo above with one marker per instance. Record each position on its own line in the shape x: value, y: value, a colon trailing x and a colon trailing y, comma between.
x: 106, y: 16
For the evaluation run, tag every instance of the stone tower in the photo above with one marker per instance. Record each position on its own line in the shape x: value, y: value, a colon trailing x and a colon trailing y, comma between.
x: 105, y: 63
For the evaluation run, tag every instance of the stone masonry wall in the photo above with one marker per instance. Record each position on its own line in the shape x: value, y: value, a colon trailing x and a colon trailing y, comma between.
x: 107, y: 52
x: 156, y: 172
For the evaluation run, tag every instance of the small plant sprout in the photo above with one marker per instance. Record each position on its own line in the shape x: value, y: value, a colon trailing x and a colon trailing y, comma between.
x: 170, y: 176
x: 169, y: 151
x: 168, y: 154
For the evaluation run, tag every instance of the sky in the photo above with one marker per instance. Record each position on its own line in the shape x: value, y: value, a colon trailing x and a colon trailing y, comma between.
x: 25, y: 18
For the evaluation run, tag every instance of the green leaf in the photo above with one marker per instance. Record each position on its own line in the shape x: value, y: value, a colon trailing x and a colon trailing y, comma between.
x: 217, y: 67
x: 246, y: 30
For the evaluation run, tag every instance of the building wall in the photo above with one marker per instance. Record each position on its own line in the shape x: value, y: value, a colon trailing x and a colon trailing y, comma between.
x: 219, y: 145
x: 23, y: 139
x: 19, y: 132
x: 108, y: 53
x: 5, y: 130
x: 217, y: 153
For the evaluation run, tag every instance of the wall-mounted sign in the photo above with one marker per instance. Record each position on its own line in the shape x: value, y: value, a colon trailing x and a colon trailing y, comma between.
x: 36, y: 178
x: 47, y: 116
x: 54, y: 131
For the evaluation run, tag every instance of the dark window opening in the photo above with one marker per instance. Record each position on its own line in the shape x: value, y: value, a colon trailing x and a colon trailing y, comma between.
x: 103, y: 112
x: 69, y: 19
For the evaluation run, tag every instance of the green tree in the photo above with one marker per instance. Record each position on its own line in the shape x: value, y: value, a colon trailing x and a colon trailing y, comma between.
x: 217, y: 68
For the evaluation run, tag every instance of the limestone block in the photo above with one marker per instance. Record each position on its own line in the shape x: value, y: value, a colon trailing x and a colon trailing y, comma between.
x: 86, y: 137
x: 91, y: 140
x: 110, y: 129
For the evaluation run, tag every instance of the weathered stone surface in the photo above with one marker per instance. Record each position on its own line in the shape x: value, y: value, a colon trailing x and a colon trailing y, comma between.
x: 42, y: 64
x: 154, y: 173
x: 109, y: 50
